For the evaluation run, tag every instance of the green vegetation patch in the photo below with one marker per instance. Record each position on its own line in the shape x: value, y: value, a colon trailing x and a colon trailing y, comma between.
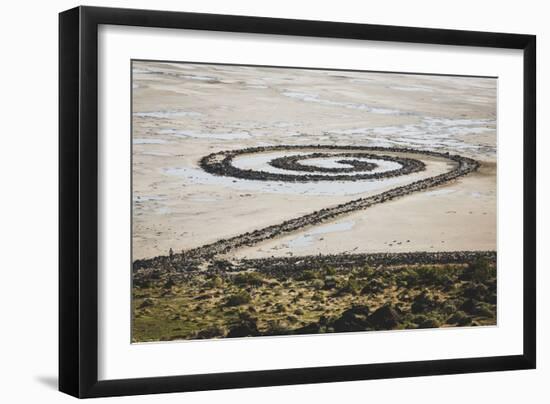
x: 224, y: 304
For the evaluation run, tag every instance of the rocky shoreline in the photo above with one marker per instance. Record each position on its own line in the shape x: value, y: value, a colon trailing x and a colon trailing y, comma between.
x: 281, y: 267
x: 287, y: 265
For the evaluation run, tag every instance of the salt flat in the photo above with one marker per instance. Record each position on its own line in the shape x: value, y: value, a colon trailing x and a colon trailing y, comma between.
x: 182, y: 112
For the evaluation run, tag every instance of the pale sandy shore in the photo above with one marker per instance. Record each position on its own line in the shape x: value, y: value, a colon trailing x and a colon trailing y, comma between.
x: 427, y: 221
x: 184, y: 112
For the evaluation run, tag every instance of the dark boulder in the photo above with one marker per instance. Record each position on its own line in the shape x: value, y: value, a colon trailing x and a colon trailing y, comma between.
x: 211, y: 332
x: 469, y: 306
x: 384, y: 318
x: 311, y: 328
x: 330, y: 283
x: 353, y: 319
x: 246, y: 328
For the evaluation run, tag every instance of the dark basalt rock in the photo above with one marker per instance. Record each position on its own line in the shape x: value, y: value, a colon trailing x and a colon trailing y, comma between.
x: 384, y: 318
x: 212, y: 332
x: 353, y: 319
x: 330, y: 283
x: 469, y: 306
x: 311, y: 328
x: 247, y: 328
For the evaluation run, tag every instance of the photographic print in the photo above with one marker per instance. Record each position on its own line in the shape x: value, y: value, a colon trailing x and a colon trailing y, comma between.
x: 271, y: 201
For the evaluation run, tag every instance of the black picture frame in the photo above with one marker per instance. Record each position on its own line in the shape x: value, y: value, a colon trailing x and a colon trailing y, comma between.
x: 78, y: 200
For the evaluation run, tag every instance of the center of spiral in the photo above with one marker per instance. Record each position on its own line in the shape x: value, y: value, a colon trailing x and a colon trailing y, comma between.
x: 293, y: 163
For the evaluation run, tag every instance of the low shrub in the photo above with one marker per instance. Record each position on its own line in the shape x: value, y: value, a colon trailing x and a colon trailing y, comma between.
x: 318, y: 284
x: 276, y: 327
x: 434, y: 276
x: 291, y: 318
x: 423, y: 321
x: 374, y: 286
x: 318, y: 297
x: 214, y: 282
x: 478, y: 271
x: 146, y: 303
x: 330, y: 283
x: 485, y: 310
x: 422, y: 303
x: 448, y: 307
x: 365, y: 272
x: 249, y: 279
x: 330, y: 271
x: 307, y: 276
x: 351, y: 286
x: 238, y: 299
x: 459, y: 318
x: 477, y: 291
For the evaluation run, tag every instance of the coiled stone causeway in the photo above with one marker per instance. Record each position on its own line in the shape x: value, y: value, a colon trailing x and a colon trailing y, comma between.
x: 353, y: 163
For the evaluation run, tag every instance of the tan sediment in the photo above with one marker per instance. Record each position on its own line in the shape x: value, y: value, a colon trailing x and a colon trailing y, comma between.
x: 431, y: 220
x: 185, y: 215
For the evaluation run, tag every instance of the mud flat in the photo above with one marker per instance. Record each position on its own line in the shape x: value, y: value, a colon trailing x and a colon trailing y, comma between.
x: 450, y: 217
x: 183, y: 112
